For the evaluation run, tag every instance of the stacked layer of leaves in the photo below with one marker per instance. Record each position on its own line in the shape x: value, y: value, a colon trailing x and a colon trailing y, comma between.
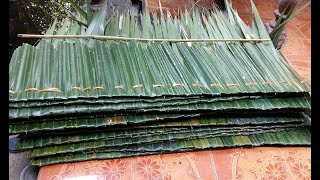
x: 75, y: 134
x: 60, y: 125
x: 80, y: 99
x: 159, y: 135
x: 42, y: 157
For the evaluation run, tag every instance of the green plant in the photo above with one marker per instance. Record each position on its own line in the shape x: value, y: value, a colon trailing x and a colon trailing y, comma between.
x: 84, y: 16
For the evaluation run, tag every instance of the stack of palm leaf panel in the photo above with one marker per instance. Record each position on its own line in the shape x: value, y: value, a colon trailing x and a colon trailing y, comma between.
x: 81, y: 99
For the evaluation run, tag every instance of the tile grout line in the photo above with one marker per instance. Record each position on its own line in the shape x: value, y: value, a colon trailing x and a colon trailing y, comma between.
x: 132, y: 168
x: 286, y: 163
x: 303, y: 68
x: 213, y: 166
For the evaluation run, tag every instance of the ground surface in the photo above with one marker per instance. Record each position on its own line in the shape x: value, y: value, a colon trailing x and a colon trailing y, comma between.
x: 17, y: 161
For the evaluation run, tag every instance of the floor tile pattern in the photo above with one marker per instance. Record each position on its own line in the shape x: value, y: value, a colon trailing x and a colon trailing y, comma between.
x: 234, y: 163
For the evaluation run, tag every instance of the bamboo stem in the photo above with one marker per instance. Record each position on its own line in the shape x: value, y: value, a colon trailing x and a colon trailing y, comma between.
x: 136, y: 39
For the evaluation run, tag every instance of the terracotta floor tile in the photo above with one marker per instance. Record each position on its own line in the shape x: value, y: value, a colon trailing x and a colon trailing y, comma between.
x: 294, y: 32
x: 187, y: 165
x: 303, y: 2
x: 275, y: 4
x: 243, y: 9
x: 305, y: 65
x: 266, y: 12
x: 306, y: 29
x: 294, y: 45
x: 303, y: 16
x: 204, y: 160
x: 246, y: 18
x: 298, y: 58
x: 257, y: 161
x: 274, y: 163
x: 308, y: 45
x: 147, y: 167
x: 299, y: 23
x: 308, y: 9
x: 222, y: 162
x: 243, y: 2
x: 301, y: 68
x: 309, y: 40
x: 266, y: 19
x: 230, y: 163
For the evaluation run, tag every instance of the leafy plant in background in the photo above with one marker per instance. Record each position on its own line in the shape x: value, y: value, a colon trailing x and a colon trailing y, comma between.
x: 84, y: 12
x: 34, y: 17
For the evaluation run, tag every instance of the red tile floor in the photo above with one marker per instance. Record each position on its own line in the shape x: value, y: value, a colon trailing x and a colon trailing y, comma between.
x: 235, y: 163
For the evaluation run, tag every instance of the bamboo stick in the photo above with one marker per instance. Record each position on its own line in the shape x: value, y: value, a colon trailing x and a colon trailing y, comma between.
x: 136, y: 39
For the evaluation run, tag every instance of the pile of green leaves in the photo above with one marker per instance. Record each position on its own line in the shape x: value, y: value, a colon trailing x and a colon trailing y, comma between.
x: 81, y: 99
